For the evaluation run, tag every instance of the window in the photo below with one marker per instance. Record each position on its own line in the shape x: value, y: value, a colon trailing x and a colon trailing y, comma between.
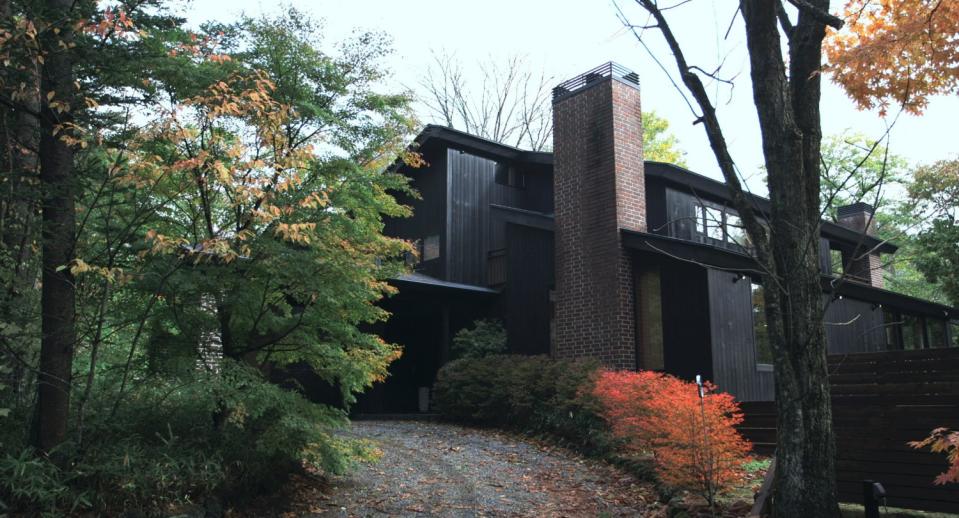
x: 700, y: 229
x: 764, y: 353
x: 735, y: 233
x: 835, y: 259
x: 893, y: 326
x: 954, y: 333
x: 509, y: 176
x: 714, y: 223
x: 650, y: 315
x: 431, y: 248
x: 936, y: 332
x: 912, y: 332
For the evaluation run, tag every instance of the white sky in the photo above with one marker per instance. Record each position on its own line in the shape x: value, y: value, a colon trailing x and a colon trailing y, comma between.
x: 568, y: 37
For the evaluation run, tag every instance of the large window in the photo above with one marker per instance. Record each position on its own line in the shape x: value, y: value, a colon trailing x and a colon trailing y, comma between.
x: 720, y: 226
x: 764, y: 352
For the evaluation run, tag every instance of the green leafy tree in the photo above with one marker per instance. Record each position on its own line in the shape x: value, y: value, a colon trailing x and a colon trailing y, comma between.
x: 855, y: 169
x: 229, y: 187
x: 658, y: 143
x: 935, y: 192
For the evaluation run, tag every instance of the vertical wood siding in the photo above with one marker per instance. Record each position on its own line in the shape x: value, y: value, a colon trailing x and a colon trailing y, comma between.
x: 734, y: 347
x: 472, y: 188
x: 853, y: 326
x: 529, y: 279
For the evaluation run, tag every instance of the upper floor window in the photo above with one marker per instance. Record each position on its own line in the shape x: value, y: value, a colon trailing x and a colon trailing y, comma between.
x: 510, y: 176
x: 431, y: 248
x: 721, y: 226
x: 426, y: 249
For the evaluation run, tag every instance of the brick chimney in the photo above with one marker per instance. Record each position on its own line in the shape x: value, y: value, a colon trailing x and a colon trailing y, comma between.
x: 859, y: 217
x: 599, y: 189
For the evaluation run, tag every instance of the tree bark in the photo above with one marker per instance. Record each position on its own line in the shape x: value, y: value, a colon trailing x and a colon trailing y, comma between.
x: 58, y: 231
x: 789, y: 119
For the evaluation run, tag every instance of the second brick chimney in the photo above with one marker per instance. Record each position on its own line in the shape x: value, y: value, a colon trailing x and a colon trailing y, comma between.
x: 599, y: 189
x: 862, y: 264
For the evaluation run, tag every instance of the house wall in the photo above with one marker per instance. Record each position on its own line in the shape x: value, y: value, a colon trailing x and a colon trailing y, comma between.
x: 853, y: 326
x: 529, y: 277
x: 429, y: 210
x: 472, y: 187
x: 686, y: 331
x: 734, y: 359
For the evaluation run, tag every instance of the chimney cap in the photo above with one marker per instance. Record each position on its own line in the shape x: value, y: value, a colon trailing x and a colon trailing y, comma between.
x: 855, y: 209
x: 610, y: 69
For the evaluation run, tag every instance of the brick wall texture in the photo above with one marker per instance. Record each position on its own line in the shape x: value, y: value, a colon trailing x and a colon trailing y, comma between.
x: 599, y: 188
x: 868, y: 267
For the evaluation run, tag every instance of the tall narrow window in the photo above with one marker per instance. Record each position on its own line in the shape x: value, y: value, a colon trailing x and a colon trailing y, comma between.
x: 893, y: 326
x: 954, y: 333
x: 650, y: 316
x: 700, y: 217
x: 764, y: 353
x: 714, y: 223
x: 835, y: 258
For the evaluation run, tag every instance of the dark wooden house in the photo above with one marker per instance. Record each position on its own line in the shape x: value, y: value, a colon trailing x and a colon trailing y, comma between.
x: 593, y: 251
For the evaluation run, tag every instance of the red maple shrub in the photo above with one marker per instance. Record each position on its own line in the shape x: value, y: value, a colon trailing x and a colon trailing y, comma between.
x: 693, y: 441
x: 941, y: 440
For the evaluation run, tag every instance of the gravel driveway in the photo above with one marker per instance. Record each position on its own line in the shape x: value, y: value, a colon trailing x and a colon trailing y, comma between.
x: 431, y: 469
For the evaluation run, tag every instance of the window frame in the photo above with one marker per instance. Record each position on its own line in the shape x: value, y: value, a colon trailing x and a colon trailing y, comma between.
x: 762, y: 366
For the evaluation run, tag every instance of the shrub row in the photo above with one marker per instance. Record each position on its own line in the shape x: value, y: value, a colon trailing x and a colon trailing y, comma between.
x: 623, y: 416
x: 530, y: 394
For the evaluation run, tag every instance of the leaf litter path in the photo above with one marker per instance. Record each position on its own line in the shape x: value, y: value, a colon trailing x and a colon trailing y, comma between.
x: 432, y: 469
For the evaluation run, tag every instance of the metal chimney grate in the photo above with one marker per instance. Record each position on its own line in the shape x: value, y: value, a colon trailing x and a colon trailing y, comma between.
x: 589, y: 77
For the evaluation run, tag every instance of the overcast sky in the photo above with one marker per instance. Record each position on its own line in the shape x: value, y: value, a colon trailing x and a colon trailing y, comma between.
x: 567, y: 37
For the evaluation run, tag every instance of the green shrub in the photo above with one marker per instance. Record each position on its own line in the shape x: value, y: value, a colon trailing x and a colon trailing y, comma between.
x: 531, y: 394
x: 486, y: 338
x: 162, y: 448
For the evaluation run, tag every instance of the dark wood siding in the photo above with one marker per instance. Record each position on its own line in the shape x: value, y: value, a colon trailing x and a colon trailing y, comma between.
x: 825, y: 258
x: 656, y: 220
x: 472, y: 187
x: 733, y: 345
x: 680, y: 214
x: 529, y: 253
x: 429, y: 211
x: 853, y: 326
x: 685, y: 318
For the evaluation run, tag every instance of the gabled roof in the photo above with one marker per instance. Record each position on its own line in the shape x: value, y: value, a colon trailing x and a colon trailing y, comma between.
x: 482, y: 146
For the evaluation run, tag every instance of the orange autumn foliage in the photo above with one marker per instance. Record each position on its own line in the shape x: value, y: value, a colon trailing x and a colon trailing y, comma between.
x: 694, y: 442
x: 896, y: 50
x: 941, y: 440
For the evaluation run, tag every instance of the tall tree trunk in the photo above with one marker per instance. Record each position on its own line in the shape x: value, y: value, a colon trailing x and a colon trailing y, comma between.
x: 789, y: 119
x: 58, y: 231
